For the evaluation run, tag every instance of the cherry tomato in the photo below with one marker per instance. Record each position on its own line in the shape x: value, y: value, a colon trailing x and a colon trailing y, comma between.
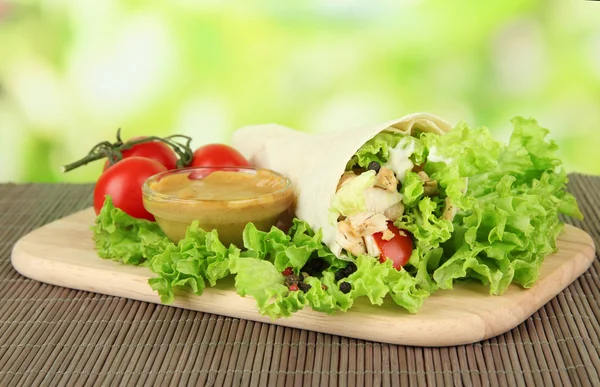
x: 123, y: 182
x: 154, y: 150
x: 398, y: 249
x: 218, y: 155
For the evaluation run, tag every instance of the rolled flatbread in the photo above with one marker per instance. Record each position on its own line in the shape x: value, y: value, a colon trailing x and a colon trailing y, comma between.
x: 315, y: 162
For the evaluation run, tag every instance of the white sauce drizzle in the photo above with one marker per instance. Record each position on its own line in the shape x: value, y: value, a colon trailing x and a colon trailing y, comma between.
x: 435, y: 157
x: 399, y: 161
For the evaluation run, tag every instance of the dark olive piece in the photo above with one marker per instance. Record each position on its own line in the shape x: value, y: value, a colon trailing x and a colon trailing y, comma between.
x: 350, y: 268
x: 340, y: 274
x: 304, y: 286
x: 345, y: 287
x: 374, y: 166
x: 315, y: 265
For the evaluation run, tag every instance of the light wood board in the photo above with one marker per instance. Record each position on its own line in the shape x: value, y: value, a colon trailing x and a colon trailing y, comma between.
x: 62, y: 253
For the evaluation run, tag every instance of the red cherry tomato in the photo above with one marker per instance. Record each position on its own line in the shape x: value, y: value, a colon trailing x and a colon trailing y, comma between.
x: 123, y: 182
x: 218, y: 155
x: 154, y: 150
x: 398, y: 249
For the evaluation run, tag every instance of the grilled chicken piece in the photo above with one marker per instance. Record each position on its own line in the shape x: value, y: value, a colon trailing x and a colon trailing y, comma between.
x: 417, y: 168
x: 387, y: 235
x: 377, y: 199
x: 430, y: 186
x: 371, y: 245
x: 450, y: 210
x: 349, y: 241
x: 394, y: 212
x: 367, y: 223
x: 346, y: 177
x: 386, y: 179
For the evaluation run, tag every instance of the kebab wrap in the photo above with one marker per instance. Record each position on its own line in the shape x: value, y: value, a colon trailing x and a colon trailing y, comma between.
x: 366, y: 186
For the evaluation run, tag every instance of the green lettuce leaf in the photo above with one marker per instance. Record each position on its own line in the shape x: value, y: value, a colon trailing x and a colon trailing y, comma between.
x: 350, y: 198
x: 292, y: 249
x: 512, y: 222
x: 370, y: 279
x: 425, y: 223
x: 376, y: 280
x: 122, y: 238
x: 376, y: 149
x: 197, y: 258
x: 262, y: 281
x: 526, y: 157
x: 405, y: 290
x: 470, y: 150
x: 321, y: 299
x: 412, y: 189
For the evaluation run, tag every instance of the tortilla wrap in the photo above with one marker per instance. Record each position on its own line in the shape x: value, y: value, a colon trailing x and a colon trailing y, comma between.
x: 315, y: 162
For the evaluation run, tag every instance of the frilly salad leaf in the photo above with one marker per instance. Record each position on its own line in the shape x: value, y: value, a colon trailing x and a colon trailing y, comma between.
x: 412, y: 189
x: 125, y: 239
x: 376, y: 149
x: 197, y: 258
x: 292, y: 249
x: 261, y: 280
x: 350, y: 198
x: 513, y: 221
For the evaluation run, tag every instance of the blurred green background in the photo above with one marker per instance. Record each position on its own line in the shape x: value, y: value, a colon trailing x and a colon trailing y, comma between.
x: 72, y: 72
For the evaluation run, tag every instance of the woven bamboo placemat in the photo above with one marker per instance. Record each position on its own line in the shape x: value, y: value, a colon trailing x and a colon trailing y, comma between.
x: 57, y: 336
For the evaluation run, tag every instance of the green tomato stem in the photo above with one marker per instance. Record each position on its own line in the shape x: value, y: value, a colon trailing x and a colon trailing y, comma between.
x: 114, y: 151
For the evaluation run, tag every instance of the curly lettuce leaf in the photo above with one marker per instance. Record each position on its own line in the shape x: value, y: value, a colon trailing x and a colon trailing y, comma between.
x: 513, y: 221
x: 412, y: 189
x: 375, y: 280
x: 350, y: 198
x: 526, y: 157
x: 200, y: 260
x: 197, y: 258
x: 321, y: 299
x: 425, y: 224
x: 370, y: 279
x: 405, y: 290
x: 376, y: 149
x: 470, y: 150
x: 122, y: 238
x: 292, y: 249
x: 263, y: 282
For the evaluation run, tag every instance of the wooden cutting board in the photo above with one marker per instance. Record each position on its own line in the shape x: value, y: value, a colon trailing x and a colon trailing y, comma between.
x: 62, y: 253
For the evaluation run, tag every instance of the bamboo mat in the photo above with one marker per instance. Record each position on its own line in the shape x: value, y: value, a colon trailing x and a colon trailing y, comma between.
x: 57, y: 336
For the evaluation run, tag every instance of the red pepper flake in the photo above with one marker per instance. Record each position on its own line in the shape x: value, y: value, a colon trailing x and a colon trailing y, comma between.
x: 293, y: 287
x: 287, y: 271
x: 324, y: 287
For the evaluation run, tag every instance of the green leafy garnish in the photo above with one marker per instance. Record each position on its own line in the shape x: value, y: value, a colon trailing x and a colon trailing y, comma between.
x: 125, y: 239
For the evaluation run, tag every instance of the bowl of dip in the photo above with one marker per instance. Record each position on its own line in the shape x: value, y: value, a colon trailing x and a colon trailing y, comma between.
x: 223, y: 199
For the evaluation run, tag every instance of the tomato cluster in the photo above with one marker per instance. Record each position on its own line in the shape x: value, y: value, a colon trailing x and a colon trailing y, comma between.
x: 123, y: 180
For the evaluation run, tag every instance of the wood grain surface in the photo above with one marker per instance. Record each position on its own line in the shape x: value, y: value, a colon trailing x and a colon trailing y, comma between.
x: 62, y: 253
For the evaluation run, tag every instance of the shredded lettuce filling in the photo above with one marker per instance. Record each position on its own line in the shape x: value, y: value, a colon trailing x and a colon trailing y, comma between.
x: 507, y: 222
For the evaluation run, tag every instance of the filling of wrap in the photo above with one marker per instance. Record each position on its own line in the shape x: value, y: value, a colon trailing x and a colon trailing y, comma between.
x: 396, y: 188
